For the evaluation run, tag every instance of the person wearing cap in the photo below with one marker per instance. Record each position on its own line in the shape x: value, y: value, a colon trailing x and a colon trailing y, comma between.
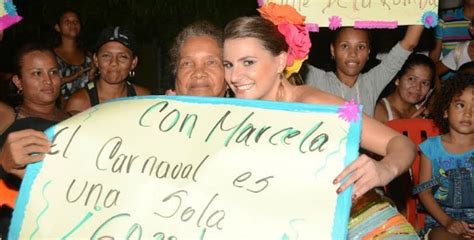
x: 115, y: 60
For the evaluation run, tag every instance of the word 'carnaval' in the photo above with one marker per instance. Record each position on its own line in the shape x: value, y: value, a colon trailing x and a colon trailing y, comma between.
x: 111, y: 158
x: 240, y: 131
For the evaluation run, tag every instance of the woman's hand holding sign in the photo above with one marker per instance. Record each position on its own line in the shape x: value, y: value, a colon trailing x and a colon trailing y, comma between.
x: 23, y: 147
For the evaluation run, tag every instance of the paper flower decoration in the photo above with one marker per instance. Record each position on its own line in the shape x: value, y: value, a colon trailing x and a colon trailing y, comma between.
x: 10, y: 8
x: 297, y: 38
x: 8, y: 15
x: 429, y: 19
x: 295, y: 67
x: 312, y: 27
x: 291, y: 25
x: 376, y: 24
x: 349, y: 112
x: 335, y: 22
x: 278, y: 14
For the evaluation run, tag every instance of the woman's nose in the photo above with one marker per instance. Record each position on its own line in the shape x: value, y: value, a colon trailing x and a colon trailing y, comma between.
x: 234, y: 74
x: 418, y: 85
x: 114, y: 60
x: 199, y: 71
x: 48, y: 79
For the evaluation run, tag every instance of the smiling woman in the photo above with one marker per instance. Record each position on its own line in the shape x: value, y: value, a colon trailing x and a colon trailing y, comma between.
x: 350, y: 51
x: 412, y: 85
x: 196, y: 61
x: 255, y: 56
x: 115, y: 60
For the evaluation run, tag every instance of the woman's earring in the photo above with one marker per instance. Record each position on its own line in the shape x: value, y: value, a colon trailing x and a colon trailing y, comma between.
x: 131, y: 74
x: 19, y: 92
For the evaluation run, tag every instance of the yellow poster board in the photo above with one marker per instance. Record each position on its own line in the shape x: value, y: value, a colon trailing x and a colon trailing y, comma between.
x: 365, y: 13
x: 168, y: 167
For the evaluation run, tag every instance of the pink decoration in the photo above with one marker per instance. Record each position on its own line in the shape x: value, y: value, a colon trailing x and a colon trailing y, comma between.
x: 335, y: 22
x: 7, y: 20
x: 297, y: 38
x: 312, y: 27
x: 260, y: 2
x: 170, y: 92
x: 376, y: 24
x: 429, y: 19
x: 349, y: 112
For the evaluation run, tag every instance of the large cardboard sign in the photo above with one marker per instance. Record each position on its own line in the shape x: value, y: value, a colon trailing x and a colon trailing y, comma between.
x: 170, y: 167
x: 364, y: 13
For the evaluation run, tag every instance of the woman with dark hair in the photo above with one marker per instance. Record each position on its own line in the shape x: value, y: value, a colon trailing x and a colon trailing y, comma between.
x: 115, y: 60
x: 412, y: 84
x: 255, y: 58
x: 75, y: 65
x: 196, y: 61
x: 350, y: 51
x: 38, y: 81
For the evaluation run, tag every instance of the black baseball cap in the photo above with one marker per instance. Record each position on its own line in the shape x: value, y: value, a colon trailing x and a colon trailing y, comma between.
x: 118, y: 34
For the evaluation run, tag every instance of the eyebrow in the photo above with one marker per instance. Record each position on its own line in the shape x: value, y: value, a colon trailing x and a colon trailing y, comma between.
x: 245, y: 57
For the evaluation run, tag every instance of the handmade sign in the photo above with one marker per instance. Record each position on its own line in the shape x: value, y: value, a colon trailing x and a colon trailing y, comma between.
x: 8, y: 15
x: 170, y: 167
x: 364, y: 13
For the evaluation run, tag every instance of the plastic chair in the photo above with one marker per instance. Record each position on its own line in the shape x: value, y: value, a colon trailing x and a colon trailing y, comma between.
x: 7, y: 194
x: 417, y: 130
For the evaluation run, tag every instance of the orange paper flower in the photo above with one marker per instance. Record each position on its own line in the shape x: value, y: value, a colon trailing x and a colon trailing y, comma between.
x: 278, y: 14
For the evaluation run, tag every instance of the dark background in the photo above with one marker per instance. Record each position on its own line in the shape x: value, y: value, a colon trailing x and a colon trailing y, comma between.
x: 156, y: 23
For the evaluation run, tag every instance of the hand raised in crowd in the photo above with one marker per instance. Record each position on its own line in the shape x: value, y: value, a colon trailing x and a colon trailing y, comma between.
x: 21, y: 148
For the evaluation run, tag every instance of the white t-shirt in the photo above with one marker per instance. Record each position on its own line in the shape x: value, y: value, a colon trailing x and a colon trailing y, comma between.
x: 457, y: 57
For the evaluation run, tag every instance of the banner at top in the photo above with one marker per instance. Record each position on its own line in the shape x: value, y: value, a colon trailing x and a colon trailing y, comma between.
x: 365, y: 13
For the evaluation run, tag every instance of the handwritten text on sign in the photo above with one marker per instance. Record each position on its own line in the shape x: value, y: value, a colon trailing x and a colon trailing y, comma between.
x: 405, y: 12
x: 171, y: 168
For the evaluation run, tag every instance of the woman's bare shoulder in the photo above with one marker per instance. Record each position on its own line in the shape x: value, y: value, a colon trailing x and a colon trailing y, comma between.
x: 380, y: 112
x: 7, y: 116
x: 308, y: 94
x: 141, y: 90
x: 78, y: 102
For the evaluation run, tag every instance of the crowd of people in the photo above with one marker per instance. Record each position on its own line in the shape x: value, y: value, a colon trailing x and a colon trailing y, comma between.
x: 248, y: 59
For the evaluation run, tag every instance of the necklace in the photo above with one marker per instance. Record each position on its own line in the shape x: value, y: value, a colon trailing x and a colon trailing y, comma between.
x: 342, y: 91
x: 56, y: 115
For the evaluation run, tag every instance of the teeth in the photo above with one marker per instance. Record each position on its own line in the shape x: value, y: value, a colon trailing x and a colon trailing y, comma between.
x: 244, y: 87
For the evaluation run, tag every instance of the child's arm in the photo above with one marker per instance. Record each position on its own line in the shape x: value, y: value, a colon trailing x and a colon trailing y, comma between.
x: 412, y: 37
x: 434, y: 209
